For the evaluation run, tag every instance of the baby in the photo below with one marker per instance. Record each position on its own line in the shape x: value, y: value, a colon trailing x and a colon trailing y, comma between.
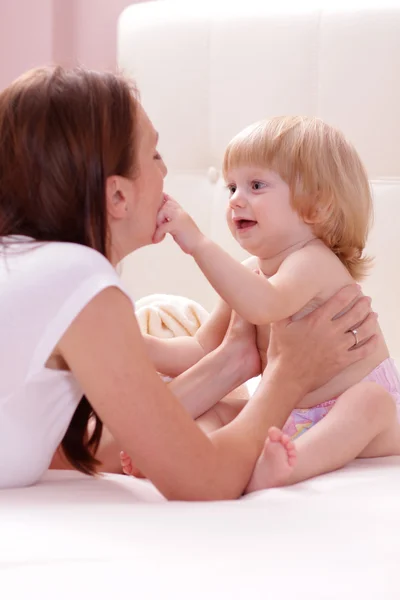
x: 300, y: 204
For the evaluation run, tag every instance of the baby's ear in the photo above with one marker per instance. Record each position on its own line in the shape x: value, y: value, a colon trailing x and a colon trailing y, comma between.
x: 317, y: 211
x: 306, y: 205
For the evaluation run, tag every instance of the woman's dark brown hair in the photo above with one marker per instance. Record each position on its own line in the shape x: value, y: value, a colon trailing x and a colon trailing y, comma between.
x: 62, y: 133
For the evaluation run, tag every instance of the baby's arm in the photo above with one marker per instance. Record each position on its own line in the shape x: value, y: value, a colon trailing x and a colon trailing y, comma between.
x: 173, y: 356
x: 254, y: 298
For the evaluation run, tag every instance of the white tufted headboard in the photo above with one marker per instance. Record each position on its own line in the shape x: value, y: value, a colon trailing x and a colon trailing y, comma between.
x: 205, y: 72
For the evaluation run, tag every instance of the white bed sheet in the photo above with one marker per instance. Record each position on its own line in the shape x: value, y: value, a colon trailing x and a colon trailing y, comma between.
x: 334, y: 537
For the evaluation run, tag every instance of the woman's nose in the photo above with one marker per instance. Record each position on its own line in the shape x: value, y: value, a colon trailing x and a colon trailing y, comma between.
x: 163, y: 168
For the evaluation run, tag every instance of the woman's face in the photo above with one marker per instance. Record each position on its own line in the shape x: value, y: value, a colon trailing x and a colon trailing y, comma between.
x: 148, y: 185
x: 133, y: 219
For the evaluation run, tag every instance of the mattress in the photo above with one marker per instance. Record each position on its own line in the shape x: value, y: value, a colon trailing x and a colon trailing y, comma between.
x: 333, y: 537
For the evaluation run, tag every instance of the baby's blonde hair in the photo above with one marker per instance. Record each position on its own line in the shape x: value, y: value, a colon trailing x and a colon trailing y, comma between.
x: 327, y: 180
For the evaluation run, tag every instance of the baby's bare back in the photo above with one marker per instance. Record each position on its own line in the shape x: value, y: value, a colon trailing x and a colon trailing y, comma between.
x: 333, y: 278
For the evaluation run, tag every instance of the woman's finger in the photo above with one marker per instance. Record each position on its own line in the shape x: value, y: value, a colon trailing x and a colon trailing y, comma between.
x: 355, y: 315
x: 359, y: 335
x: 338, y: 303
x: 361, y: 352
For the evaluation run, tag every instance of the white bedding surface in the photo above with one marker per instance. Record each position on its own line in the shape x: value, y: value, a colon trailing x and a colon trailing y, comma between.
x: 335, y: 537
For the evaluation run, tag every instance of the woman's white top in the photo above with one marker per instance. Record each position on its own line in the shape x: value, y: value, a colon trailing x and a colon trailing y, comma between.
x: 43, y: 287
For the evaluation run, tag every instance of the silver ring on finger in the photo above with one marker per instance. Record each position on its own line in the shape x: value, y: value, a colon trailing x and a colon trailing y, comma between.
x: 355, y: 333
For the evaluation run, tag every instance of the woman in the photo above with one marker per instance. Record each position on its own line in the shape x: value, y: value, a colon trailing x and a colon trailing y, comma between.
x: 81, y: 183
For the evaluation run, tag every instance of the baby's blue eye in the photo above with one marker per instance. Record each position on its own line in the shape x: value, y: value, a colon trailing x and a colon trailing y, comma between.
x: 257, y: 185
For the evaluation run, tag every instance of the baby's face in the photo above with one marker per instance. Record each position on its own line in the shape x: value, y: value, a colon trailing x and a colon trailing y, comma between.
x: 260, y: 215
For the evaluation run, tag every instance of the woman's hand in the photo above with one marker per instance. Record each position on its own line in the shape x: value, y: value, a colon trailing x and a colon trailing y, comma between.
x: 240, y: 344
x: 317, y: 347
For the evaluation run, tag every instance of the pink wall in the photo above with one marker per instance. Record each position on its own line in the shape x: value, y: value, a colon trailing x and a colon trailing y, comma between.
x: 96, y: 31
x: 39, y: 32
x: 25, y: 36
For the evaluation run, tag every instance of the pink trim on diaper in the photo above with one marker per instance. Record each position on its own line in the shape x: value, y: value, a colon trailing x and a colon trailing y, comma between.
x: 329, y: 403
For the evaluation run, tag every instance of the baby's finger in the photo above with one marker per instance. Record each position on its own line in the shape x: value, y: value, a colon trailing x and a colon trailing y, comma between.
x: 127, y: 471
x: 126, y: 463
x: 162, y: 217
x: 158, y: 239
x: 124, y: 458
x: 137, y: 473
x: 166, y: 211
x: 161, y: 232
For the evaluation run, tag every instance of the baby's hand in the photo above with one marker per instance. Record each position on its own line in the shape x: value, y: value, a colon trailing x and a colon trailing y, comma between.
x: 127, y: 466
x: 174, y: 220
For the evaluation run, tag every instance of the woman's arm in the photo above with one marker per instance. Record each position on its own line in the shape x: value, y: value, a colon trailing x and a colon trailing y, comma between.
x: 202, y: 386
x: 143, y: 416
x: 235, y: 361
x: 111, y: 364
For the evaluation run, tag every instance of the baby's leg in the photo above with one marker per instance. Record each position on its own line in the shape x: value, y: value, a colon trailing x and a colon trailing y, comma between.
x: 363, y: 422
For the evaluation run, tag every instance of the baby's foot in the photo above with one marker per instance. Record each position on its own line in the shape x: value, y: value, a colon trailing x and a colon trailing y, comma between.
x: 127, y: 466
x: 275, y: 464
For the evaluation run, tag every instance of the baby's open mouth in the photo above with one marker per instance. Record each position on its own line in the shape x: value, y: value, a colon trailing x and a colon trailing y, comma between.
x: 245, y: 224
